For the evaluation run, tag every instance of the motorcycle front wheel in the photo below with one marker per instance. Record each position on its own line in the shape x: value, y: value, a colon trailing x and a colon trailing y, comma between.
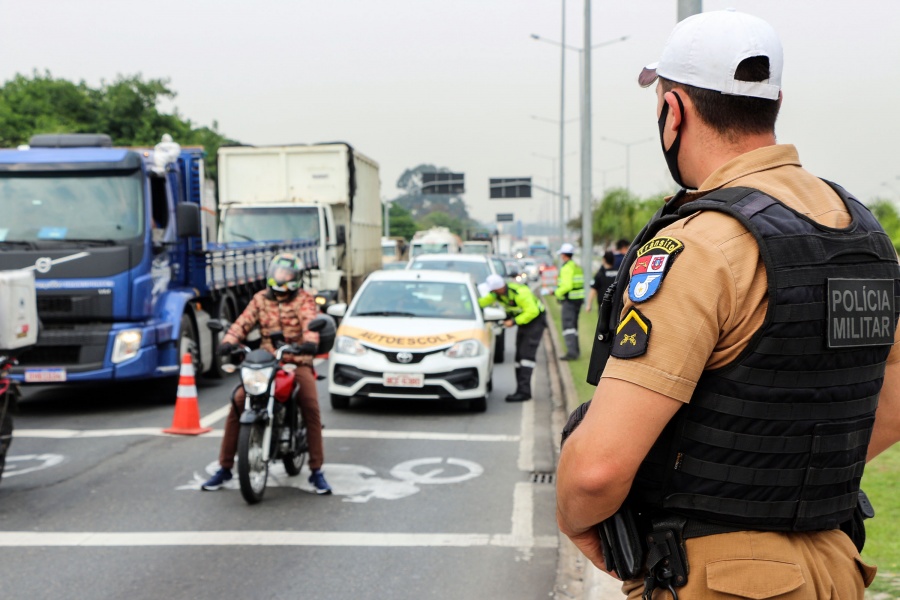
x: 6, y: 428
x: 253, y: 471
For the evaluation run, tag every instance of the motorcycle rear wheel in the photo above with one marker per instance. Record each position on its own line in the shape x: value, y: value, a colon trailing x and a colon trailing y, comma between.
x: 253, y: 471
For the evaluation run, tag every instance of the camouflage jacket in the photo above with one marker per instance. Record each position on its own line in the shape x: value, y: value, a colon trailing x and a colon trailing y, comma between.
x: 290, y: 318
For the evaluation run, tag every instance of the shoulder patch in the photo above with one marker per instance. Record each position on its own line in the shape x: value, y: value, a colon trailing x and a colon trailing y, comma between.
x: 653, y: 262
x: 632, y: 335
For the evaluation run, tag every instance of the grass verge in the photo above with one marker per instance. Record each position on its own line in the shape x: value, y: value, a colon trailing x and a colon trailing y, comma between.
x: 881, y: 481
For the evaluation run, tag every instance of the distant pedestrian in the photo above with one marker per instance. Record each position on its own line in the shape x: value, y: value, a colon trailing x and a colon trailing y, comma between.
x: 605, y: 277
x: 621, y: 250
x: 570, y: 292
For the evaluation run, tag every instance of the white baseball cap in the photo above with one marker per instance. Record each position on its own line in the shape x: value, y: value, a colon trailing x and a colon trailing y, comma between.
x: 566, y: 248
x: 704, y: 51
x: 494, y: 282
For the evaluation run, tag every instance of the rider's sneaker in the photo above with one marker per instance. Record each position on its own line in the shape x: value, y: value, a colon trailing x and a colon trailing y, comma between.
x: 217, y: 481
x: 318, y: 480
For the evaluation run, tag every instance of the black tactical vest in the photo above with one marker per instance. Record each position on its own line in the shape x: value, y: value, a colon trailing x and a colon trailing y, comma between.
x: 777, y: 439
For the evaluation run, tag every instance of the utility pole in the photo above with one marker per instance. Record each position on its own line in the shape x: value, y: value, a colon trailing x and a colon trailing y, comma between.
x: 686, y: 8
x: 587, y: 233
x: 562, y: 126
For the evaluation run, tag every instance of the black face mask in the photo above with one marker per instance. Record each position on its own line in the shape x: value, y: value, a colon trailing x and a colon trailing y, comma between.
x: 671, y: 154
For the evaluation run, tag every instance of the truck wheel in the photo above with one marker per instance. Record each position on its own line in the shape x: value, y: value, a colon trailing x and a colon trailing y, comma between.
x: 187, y: 342
x: 225, y: 313
x: 500, y: 346
x: 339, y: 402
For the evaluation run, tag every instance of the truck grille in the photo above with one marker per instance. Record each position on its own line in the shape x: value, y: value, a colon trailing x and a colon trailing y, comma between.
x: 79, y: 305
x: 77, y: 347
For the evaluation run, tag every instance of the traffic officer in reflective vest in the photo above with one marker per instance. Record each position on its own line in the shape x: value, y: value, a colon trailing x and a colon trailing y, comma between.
x: 570, y: 293
x: 748, y: 369
x: 526, y: 311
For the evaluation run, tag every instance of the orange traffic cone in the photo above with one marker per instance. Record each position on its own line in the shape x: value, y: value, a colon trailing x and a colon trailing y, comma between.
x: 186, y: 420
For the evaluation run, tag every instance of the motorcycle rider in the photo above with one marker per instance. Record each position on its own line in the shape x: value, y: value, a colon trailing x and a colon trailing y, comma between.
x: 282, y: 307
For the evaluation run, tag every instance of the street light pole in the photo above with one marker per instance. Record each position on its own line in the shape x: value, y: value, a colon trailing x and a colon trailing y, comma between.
x: 627, y: 146
x: 562, y: 126
x: 587, y: 233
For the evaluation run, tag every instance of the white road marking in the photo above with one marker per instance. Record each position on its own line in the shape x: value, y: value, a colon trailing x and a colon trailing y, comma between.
x: 523, y: 512
x: 329, y: 433
x: 263, y: 538
x: 526, y: 440
x: 405, y: 471
x: 44, y: 461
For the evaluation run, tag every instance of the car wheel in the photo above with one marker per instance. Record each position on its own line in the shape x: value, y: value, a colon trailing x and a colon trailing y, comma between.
x: 490, y: 384
x: 478, y: 404
x: 339, y: 402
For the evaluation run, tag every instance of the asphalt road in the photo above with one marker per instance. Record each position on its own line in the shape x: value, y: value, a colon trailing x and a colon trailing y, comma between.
x: 430, y: 501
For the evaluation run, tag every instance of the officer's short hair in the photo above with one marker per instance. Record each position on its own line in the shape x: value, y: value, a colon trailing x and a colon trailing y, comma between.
x: 731, y: 115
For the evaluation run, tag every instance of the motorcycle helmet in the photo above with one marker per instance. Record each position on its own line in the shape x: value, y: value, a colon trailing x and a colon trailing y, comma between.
x: 284, y: 272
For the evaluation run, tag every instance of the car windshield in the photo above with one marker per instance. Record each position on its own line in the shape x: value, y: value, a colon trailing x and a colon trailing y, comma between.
x: 477, y: 269
x: 83, y: 207
x: 500, y: 267
x: 429, y: 299
x: 420, y: 248
x: 390, y: 250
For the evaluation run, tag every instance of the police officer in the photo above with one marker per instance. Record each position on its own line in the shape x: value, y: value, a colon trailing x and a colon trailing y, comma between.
x: 603, y: 278
x: 525, y: 310
x: 570, y: 293
x: 731, y: 445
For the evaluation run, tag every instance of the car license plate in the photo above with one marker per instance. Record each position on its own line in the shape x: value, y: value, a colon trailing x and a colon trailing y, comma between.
x: 45, y: 375
x: 404, y: 380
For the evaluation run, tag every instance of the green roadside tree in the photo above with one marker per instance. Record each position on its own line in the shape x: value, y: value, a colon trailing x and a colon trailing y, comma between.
x: 127, y: 109
x: 402, y: 223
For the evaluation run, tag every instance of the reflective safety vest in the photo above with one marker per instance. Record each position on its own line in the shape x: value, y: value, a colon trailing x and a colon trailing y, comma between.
x: 570, y: 285
x: 519, y: 302
x: 777, y: 439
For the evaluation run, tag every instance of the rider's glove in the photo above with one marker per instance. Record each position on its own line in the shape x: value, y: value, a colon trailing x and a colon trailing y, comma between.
x: 225, y: 348
x: 308, y: 348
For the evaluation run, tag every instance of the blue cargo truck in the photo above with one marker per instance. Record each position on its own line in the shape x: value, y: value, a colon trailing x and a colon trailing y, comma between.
x: 121, y: 243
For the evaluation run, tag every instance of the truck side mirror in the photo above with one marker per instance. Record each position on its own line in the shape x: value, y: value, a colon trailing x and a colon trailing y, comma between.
x: 341, y: 235
x: 188, y: 216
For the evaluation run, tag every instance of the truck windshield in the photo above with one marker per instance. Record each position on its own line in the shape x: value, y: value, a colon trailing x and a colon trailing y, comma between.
x: 420, y: 248
x: 77, y: 207
x: 262, y: 223
x: 389, y: 250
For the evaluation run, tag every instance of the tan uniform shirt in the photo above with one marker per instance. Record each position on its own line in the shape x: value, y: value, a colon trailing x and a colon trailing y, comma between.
x: 715, y: 294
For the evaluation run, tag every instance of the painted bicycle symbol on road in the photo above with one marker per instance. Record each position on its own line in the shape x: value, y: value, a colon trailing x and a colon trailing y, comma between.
x: 358, y: 483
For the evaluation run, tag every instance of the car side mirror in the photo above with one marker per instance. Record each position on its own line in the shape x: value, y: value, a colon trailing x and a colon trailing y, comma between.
x: 492, y: 313
x: 337, y: 310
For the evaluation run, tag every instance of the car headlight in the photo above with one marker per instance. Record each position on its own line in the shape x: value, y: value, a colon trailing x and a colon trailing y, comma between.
x: 348, y: 345
x: 127, y: 344
x: 464, y: 349
x: 256, y: 381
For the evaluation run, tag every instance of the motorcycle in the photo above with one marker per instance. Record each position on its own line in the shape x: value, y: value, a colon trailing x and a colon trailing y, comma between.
x: 9, y: 394
x: 272, y: 427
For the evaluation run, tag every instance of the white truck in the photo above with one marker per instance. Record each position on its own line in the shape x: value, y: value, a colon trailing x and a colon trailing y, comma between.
x: 327, y: 192
x: 437, y: 240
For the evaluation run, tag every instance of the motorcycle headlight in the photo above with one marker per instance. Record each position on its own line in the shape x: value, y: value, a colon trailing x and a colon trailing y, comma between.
x: 256, y: 381
x: 464, y: 349
x: 127, y: 344
x: 348, y: 345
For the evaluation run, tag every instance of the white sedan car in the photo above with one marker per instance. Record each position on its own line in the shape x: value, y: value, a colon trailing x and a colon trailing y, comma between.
x: 414, y: 334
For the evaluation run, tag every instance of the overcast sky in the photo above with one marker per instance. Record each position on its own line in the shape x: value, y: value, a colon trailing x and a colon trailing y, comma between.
x: 456, y: 83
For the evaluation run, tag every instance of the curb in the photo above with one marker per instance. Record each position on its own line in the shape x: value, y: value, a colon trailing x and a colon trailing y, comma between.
x: 576, y: 577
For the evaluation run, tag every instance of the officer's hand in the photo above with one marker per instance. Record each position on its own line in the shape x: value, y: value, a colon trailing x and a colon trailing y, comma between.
x: 308, y: 348
x: 508, y: 323
x: 587, y: 308
x: 225, y: 348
